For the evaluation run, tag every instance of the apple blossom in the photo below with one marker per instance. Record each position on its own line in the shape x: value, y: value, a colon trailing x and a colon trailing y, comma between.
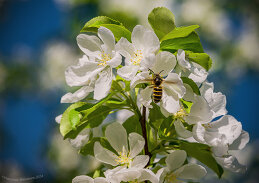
x: 140, y: 53
x: 93, y: 73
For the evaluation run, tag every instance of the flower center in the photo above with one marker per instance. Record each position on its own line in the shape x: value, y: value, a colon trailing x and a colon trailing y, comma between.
x: 206, y: 126
x: 180, y: 114
x: 171, y: 178
x: 104, y: 58
x: 138, y: 55
x: 123, y: 158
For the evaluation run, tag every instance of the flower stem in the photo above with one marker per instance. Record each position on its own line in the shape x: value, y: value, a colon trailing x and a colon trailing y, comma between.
x: 144, y: 132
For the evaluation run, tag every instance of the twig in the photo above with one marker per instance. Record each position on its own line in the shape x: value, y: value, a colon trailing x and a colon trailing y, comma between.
x: 144, y: 132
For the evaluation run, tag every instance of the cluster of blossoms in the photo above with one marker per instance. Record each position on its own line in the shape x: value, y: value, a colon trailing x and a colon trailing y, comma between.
x: 192, y: 118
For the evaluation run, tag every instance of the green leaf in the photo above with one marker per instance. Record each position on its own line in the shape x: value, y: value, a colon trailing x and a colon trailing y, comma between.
x: 192, y: 84
x: 167, y: 129
x: 155, y: 116
x: 113, y: 25
x: 152, y: 138
x: 179, y: 32
x: 93, y: 24
x: 202, y: 153
x: 191, y: 43
x: 132, y: 124
x: 88, y: 149
x: 187, y: 105
x: 91, y: 115
x: 162, y: 21
x: 115, y: 103
x: 202, y: 59
x: 119, y: 31
x: 65, y: 124
x: 116, y: 86
x: 74, y: 118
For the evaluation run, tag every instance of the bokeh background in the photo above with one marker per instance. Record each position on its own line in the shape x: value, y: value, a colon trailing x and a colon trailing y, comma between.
x: 37, y: 43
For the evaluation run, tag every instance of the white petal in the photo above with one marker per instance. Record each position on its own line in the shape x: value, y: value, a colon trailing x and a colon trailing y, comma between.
x: 58, y: 118
x: 228, y: 126
x: 147, y: 174
x: 200, y: 111
x: 147, y: 61
x: 220, y: 150
x: 189, y: 94
x: 199, y: 132
x: 117, y: 136
x: 181, y: 130
x: 213, y: 138
x: 217, y: 101
x: 82, y: 74
x: 128, y: 72
x: 165, y: 61
x: 218, y: 104
x: 82, y: 179
x: 198, y: 73
x: 115, y: 61
x: 104, y: 155
x: 136, y: 143
x: 164, y: 111
x: 240, y: 142
x: 181, y: 59
x: 231, y: 163
x: 191, y: 171
x: 161, y: 174
x: 175, y: 159
x: 108, y: 38
x: 89, y: 44
x: 174, y: 85
x: 140, y: 78
x: 140, y: 161
x: 145, y: 39
x: 169, y: 102
x: 77, y: 96
x: 81, y: 139
x: 145, y: 97
x: 100, y: 180
x: 125, y: 48
x: 127, y: 175
x: 103, y: 84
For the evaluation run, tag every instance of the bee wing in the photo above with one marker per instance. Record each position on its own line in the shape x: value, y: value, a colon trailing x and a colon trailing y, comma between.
x: 147, y: 80
x: 169, y: 82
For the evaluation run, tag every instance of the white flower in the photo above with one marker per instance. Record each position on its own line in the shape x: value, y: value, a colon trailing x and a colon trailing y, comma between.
x: 217, y: 101
x: 81, y: 139
x: 200, y: 113
x: 95, y: 73
x: 140, y: 53
x: 189, y: 69
x: 87, y: 179
x: 176, y: 171
x: 117, y: 137
x: 223, y: 135
x: 173, y: 88
x: 58, y: 118
x: 135, y: 174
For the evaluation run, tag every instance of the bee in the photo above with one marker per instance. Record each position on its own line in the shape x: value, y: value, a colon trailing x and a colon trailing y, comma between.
x: 156, y: 82
x: 157, y: 88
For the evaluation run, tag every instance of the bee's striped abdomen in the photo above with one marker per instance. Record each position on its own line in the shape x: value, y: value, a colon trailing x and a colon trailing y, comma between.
x: 157, y: 93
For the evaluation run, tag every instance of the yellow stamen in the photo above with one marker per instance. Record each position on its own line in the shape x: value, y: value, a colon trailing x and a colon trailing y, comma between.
x: 138, y: 55
x: 206, y: 126
x: 123, y: 158
x: 104, y: 58
x: 180, y: 114
x: 171, y: 178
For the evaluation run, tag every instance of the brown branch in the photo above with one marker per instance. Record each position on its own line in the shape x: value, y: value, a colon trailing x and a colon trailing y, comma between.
x: 144, y: 132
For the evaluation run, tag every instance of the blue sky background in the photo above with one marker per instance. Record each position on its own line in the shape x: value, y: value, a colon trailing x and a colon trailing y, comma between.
x: 27, y: 118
